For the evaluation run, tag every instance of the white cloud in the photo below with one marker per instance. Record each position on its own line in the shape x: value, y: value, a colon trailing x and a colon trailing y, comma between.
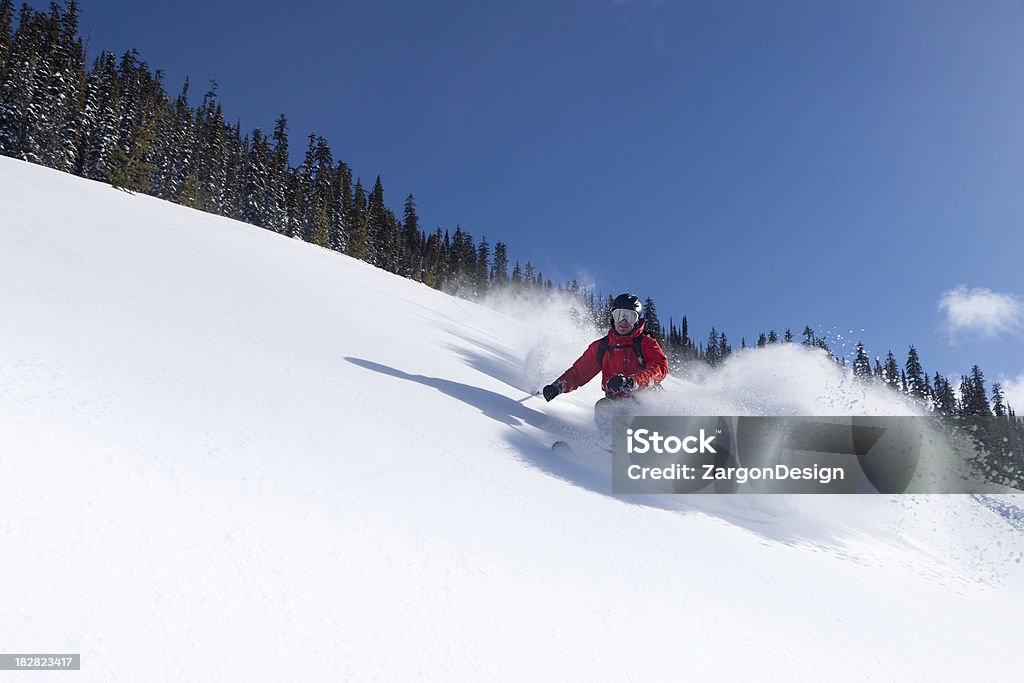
x: 1013, y: 393
x: 980, y: 311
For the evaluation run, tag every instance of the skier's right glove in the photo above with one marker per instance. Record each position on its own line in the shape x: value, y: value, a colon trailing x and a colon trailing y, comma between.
x: 553, y: 389
x: 621, y: 384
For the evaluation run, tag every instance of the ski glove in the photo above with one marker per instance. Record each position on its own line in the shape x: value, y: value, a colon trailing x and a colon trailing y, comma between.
x: 621, y: 384
x: 553, y: 389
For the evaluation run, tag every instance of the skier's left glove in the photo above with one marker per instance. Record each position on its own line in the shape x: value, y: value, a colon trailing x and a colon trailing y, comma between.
x: 553, y: 389
x: 621, y: 384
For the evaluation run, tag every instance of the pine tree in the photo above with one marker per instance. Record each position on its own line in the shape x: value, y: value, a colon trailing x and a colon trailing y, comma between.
x: 257, y: 169
x: 974, y: 400
x: 306, y: 209
x: 788, y: 337
x: 129, y: 169
x: 360, y: 244
x: 603, y: 314
x: 393, y: 237
x: 279, y: 179
x: 861, y: 363
x: 61, y: 81
x: 434, y: 254
x: 205, y: 188
x: 653, y: 325
x: 483, y: 257
x: 6, y: 15
x: 412, y: 258
x: 175, y: 148
x: 713, y: 354
x: 891, y: 372
x: 318, y: 188
x: 384, y: 243
x: 915, y: 378
x: 102, y: 114
x: 774, y: 338
x: 945, y: 400
x: 342, y: 226
x: 998, y: 400
x: 447, y: 267
x: 236, y: 171
x: 499, y: 268
x: 19, y: 99
x: 457, y: 283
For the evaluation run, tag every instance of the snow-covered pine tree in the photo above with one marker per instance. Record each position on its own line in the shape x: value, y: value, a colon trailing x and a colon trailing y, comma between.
x: 6, y: 17
x: 175, y: 147
x: 101, y: 119
x: 322, y: 188
x: 891, y: 372
x: 861, y: 363
x: 944, y: 398
x: 276, y: 202
x: 257, y: 180
x: 61, y: 82
x: 236, y: 165
x: 17, y: 94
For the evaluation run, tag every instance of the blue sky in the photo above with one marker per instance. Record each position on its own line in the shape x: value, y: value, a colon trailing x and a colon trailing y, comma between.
x: 852, y: 166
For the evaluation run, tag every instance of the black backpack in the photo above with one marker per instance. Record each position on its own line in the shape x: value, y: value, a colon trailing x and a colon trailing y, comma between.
x: 606, y: 344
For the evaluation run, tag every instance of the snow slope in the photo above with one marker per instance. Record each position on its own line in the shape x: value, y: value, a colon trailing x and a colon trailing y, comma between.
x: 230, y: 455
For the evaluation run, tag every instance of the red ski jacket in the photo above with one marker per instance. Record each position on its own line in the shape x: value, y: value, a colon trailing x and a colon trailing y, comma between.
x: 619, y: 359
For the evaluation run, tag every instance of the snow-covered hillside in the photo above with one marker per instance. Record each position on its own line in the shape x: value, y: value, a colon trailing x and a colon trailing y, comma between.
x: 228, y: 455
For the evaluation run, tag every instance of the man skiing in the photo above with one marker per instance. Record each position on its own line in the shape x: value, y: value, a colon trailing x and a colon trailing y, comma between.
x: 627, y: 359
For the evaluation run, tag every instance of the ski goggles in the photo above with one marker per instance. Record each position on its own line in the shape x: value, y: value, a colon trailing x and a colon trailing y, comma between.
x: 620, y: 314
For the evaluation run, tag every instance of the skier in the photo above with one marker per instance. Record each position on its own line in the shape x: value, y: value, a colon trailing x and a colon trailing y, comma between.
x: 627, y: 359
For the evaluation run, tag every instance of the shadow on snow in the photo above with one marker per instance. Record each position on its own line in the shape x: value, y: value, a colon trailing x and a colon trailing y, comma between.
x: 775, y: 517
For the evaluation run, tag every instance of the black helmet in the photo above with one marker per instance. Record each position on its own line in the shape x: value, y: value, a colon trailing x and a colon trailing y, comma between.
x: 630, y: 302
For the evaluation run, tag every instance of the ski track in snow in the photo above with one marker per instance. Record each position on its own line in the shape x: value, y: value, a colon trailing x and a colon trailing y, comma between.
x: 228, y: 454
